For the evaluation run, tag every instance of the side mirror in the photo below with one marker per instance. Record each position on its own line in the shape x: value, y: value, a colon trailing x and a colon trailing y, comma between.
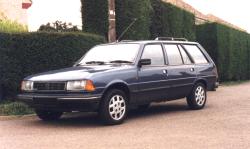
x: 144, y: 62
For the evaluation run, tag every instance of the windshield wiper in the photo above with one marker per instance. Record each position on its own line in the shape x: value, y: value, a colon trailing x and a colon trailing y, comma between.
x: 95, y: 62
x: 121, y: 61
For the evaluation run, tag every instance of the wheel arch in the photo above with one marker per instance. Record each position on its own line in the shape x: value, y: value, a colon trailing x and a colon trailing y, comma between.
x: 203, y: 81
x: 120, y: 85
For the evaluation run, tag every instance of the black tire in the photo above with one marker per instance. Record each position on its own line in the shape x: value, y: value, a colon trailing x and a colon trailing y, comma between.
x: 113, y: 108
x: 48, y: 115
x: 198, y: 97
x: 143, y: 107
x: 214, y: 89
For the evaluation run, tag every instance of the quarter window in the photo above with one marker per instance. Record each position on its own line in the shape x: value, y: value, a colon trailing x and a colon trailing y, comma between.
x: 173, y: 55
x: 196, y: 54
x: 155, y: 53
x: 185, y: 57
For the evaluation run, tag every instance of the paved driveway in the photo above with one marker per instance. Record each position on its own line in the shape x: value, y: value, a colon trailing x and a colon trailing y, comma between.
x: 224, y: 123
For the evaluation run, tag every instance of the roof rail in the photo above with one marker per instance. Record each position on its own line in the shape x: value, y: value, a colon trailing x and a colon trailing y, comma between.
x: 126, y: 41
x: 171, y: 38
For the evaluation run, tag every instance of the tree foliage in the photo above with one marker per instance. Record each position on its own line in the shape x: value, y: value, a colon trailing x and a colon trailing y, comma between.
x: 58, y: 26
x: 129, y: 10
x: 171, y: 21
x: 95, y: 16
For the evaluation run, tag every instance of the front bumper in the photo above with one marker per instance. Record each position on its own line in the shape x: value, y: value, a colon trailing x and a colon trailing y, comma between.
x: 61, y: 102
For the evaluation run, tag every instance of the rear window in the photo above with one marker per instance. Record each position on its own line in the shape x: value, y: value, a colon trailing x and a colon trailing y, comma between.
x: 196, y: 54
x: 173, y: 55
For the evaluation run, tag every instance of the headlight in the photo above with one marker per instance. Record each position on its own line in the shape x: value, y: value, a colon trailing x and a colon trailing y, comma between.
x: 27, y: 86
x: 80, y: 85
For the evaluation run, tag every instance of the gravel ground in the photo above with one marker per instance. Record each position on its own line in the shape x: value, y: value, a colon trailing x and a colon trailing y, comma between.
x: 223, y: 124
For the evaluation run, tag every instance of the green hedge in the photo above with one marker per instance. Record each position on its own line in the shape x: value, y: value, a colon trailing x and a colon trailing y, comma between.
x: 248, y: 56
x: 154, y: 18
x: 171, y: 21
x: 229, y: 48
x: 127, y: 11
x: 28, y: 53
x: 95, y: 16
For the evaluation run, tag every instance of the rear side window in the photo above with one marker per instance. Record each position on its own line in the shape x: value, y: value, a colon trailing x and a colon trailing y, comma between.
x: 185, y: 57
x: 155, y: 53
x: 173, y: 55
x: 196, y: 54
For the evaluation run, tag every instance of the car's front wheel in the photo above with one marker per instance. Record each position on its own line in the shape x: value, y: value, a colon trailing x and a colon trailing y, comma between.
x: 113, y: 108
x: 197, y: 98
x: 48, y: 115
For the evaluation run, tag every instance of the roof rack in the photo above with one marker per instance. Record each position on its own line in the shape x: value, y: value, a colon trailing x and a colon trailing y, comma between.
x: 126, y: 41
x: 171, y: 38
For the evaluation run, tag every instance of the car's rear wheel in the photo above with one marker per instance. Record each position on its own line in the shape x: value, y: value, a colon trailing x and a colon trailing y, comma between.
x: 197, y: 98
x: 48, y: 115
x: 113, y: 108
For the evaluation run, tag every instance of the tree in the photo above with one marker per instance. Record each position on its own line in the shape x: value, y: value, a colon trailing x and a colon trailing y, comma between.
x: 59, y: 26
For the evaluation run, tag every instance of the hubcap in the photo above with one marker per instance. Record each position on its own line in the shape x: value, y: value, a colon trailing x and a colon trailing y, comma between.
x: 200, y: 95
x: 117, y: 107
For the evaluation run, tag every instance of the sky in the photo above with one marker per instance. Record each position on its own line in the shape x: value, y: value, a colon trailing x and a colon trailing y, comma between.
x: 44, y: 11
x: 236, y: 12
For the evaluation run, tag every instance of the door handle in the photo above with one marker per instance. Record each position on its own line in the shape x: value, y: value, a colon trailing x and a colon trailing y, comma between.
x: 165, y: 72
x: 192, y: 69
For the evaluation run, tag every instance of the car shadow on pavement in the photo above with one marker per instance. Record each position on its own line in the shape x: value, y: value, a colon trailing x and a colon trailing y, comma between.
x: 158, y: 110
x: 74, y: 119
x: 92, y: 119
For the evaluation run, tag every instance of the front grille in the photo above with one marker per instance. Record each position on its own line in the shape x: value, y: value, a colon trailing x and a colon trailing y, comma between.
x: 48, y: 86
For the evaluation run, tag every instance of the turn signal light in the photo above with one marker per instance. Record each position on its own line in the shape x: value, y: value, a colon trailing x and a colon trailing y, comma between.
x: 89, y: 86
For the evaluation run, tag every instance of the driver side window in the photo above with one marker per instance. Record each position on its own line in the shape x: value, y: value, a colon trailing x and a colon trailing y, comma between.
x: 155, y: 53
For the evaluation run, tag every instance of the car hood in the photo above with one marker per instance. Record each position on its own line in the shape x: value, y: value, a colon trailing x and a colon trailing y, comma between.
x: 73, y: 73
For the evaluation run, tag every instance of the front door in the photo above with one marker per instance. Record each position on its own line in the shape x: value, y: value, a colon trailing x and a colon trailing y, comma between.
x: 151, y: 78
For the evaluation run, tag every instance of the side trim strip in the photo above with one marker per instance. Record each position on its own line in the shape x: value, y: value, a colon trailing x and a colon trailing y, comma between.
x: 167, y: 80
x: 57, y: 97
x: 164, y: 87
x: 77, y: 98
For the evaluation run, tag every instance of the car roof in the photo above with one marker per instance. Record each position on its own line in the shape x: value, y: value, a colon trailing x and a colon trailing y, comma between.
x: 150, y: 42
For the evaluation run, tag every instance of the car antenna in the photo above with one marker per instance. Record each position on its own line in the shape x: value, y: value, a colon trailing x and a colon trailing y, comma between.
x: 130, y: 25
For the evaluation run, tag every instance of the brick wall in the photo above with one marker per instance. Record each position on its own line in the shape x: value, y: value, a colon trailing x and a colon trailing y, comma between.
x: 12, y: 9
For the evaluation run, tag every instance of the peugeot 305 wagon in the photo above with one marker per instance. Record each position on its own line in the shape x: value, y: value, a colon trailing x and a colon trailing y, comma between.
x: 110, y: 78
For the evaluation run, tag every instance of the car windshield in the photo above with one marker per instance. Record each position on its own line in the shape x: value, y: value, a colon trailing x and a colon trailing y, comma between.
x: 117, y: 53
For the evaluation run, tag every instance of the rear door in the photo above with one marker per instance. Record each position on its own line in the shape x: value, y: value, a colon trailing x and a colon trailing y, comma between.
x: 181, y: 72
x: 151, y: 78
x: 205, y: 69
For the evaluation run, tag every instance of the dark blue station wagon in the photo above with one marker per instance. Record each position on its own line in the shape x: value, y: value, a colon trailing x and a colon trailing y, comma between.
x: 110, y: 78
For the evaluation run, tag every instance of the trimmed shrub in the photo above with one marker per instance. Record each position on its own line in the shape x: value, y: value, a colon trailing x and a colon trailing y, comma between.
x: 28, y: 53
x: 126, y: 12
x: 248, y: 56
x: 95, y: 16
x: 171, y: 21
x: 14, y: 108
x: 154, y: 18
x: 228, y: 47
